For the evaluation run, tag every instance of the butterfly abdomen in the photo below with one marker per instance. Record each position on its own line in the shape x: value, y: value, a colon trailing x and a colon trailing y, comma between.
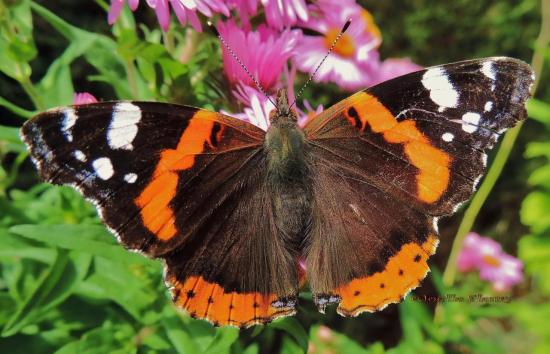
x: 288, y: 180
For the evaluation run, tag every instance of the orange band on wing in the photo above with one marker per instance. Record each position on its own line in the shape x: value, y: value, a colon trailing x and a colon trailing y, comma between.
x: 154, y: 201
x: 205, y: 300
x: 404, y: 272
x: 433, y: 164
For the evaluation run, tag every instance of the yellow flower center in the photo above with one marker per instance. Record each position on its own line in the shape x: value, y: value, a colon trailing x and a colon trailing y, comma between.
x: 344, y: 47
x: 490, y: 260
x: 371, y: 26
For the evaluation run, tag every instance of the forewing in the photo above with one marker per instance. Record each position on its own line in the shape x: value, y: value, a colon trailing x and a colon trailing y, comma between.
x: 426, y: 133
x: 399, y: 155
x: 176, y: 182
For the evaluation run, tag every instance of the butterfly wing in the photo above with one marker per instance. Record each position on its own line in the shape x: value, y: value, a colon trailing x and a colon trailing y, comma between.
x: 401, y: 154
x: 182, y: 184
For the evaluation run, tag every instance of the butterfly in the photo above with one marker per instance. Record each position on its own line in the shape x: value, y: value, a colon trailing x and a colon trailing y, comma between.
x: 232, y: 210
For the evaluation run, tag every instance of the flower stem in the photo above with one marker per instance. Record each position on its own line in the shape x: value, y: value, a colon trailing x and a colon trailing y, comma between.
x: 32, y: 93
x: 168, y: 39
x: 131, y: 73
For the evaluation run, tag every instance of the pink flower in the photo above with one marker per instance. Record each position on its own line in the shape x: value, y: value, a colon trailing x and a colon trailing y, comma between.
x: 310, y: 113
x: 245, y: 8
x: 258, y: 108
x: 494, y: 265
x: 83, y: 98
x: 354, y: 60
x: 504, y: 272
x: 394, y: 67
x: 325, y: 334
x: 116, y: 7
x: 285, y: 13
x: 264, y: 52
x: 185, y: 10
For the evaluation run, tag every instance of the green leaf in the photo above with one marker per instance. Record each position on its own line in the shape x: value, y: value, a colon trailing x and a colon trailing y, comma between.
x: 53, y: 287
x: 91, y: 239
x: 10, y: 141
x: 155, y: 341
x: 534, y: 211
x: 22, y: 112
x: 412, y: 331
x: 291, y: 326
x: 56, y: 87
x: 534, y: 250
x: 7, y: 304
x: 539, y: 111
x: 72, y: 33
x: 289, y: 346
x: 422, y: 316
x: 129, y: 286
x: 537, y: 149
x: 180, y: 339
x: 22, y: 51
x: 11, y: 67
x: 110, y: 338
x: 101, y: 51
x: 324, y: 339
x: 16, y: 43
x: 21, y: 18
x: 225, y: 337
x: 540, y: 177
x: 13, y: 247
x: 253, y: 348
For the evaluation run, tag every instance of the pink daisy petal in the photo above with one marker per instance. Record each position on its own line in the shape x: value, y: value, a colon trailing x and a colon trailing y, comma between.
x: 185, y: 10
x: 354, y: 60
x: 285, y: 13
x: 495, y: 266
x: 264, y: 52
x: 83, y: 98
x: 194, y: 20
x: 163, y: 14
x: 394, y: 67
x: 133, y: 4
x: 180, y: 12
x: 114, y: 11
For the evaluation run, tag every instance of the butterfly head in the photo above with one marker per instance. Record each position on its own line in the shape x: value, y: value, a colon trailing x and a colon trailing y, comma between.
x: 283, y: 113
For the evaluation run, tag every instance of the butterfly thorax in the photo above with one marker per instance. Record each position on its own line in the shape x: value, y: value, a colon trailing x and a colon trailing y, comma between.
x: 284, y: 144
x: 287, y: 174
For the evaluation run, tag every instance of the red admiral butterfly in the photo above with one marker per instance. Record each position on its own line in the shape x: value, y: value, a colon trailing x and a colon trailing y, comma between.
x: 231, y: 208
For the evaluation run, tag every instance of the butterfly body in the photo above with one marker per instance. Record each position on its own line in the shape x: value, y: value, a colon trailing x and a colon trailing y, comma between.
x: 288, y: 175
x: 355, y: 194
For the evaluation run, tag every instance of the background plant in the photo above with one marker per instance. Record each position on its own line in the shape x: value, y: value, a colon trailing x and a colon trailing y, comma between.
x: 65, y: 284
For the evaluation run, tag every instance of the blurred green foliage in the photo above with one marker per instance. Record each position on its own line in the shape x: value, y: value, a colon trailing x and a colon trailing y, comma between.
x: 66, y: 286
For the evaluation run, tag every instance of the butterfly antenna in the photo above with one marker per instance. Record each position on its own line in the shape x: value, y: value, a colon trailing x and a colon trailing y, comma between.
x: 333, y: 45
x: 234, y: 55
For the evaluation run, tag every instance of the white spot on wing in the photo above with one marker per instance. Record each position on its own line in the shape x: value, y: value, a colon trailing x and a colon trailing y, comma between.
x: 79, y: 155
x: 123, y: 128
x: 457, y: 206
x: 130, y: 177
x: 435, y: 220
x: 470, y: 121
x: 488, y: 106
x: 442, y: 91
x: 103, y: 168
x: 448, y: 137
x: 484, y: 160
x: 68, y: 123
x: 476, y: 182
x: 488, y: 70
